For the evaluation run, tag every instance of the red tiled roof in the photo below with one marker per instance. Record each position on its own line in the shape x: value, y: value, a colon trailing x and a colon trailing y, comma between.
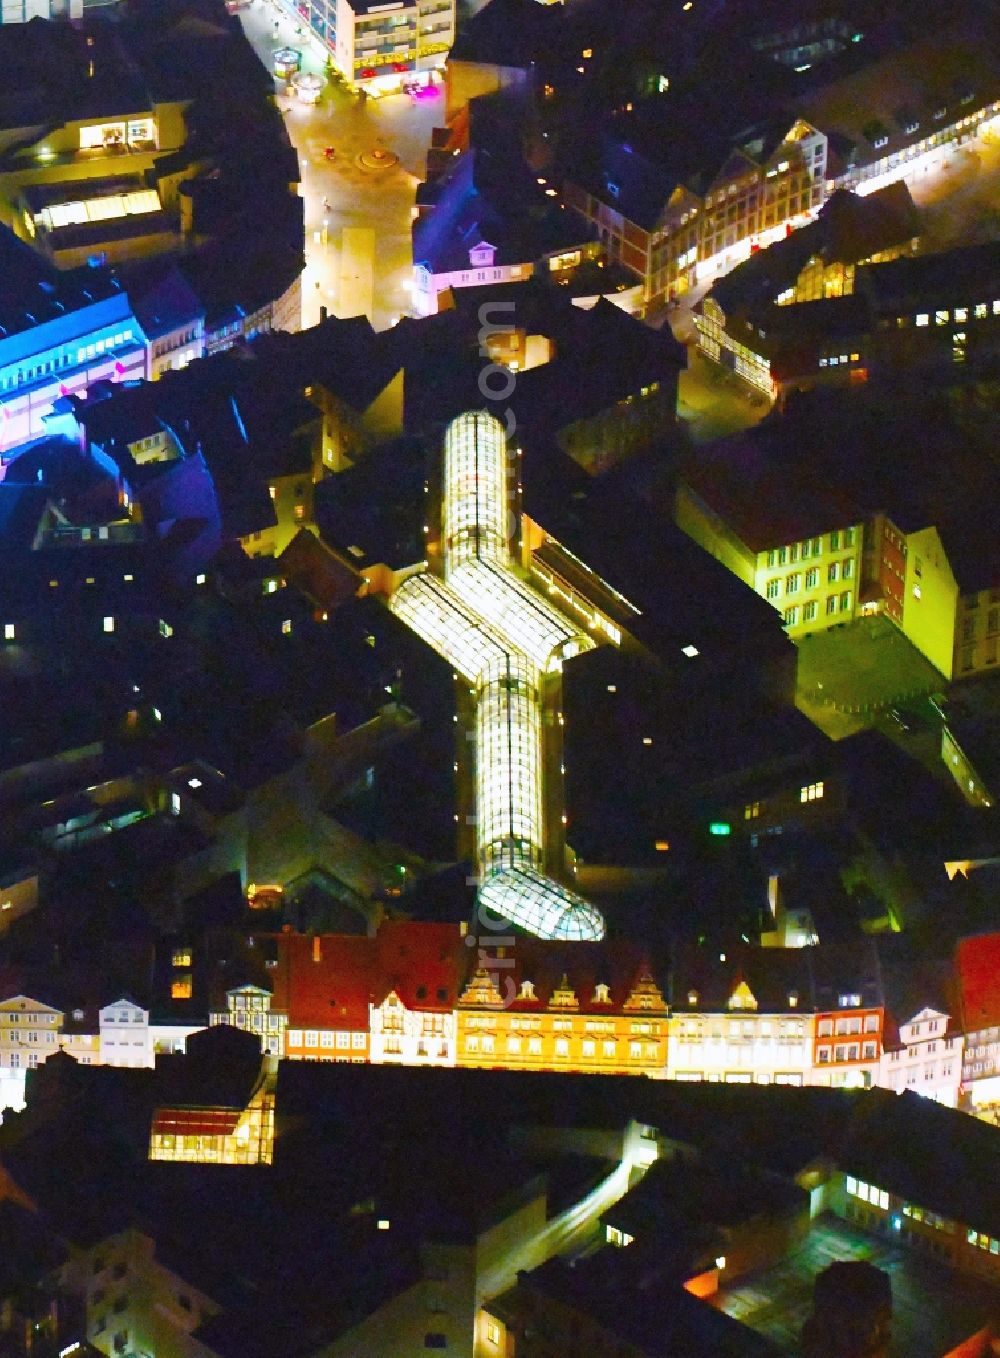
x: 328, y: 980
x: 425, y: 964
x: 194, y: 1121
x: 977, y: 966
x: 319, y: 572
x: 325, y: 980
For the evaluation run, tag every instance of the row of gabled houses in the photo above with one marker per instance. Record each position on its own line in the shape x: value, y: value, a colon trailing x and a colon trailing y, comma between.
x: 434, y: 995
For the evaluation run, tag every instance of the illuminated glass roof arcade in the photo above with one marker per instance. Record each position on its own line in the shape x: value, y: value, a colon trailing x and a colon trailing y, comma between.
x: 500, y: 636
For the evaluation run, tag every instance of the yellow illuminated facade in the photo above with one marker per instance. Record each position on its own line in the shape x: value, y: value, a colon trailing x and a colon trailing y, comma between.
x: 586, y: 1033
x: 292, y: 498
x: 29, y: 1033
x: 930, y: 599
x: 977, y: 632
x: 813, y: 583
x: 81, y: 211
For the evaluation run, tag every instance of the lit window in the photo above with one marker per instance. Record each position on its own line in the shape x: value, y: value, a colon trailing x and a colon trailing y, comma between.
x: 492, y: 1332
x: 923, y: 318
x: 199, y: 579
x: 8, y: 631
x: 941, y: 317
x: 286, y: 626
x: 181, y: 987
x: 812, y: 792
x: 109, y: 624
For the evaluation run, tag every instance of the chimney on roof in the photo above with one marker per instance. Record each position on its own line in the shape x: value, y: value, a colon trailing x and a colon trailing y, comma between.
x: 317, y: 949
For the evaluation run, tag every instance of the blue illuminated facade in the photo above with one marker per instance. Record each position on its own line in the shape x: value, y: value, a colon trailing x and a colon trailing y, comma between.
x: 58, y: 334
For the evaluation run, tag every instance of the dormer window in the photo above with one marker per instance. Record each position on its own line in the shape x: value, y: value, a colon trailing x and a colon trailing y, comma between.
x: 481, y: 256
x: 851, y: 1001
x: 601, y: 994
x: 527, y: 991
x: 907, y: 120
x: 742, y: 997
x: 563, y: 996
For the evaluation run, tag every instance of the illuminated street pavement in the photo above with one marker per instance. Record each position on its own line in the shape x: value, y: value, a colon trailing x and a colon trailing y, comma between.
x: 381, y: 199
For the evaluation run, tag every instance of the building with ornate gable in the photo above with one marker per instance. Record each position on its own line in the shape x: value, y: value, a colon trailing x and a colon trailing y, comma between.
x: 584, y: 1007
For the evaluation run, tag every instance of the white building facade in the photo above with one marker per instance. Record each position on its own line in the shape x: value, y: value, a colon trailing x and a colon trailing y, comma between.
x: 248, y: 1007
x: 740, y: 1045
x: 927, y: 1059
x: 125, y: 1035
x: 410, y: 1037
